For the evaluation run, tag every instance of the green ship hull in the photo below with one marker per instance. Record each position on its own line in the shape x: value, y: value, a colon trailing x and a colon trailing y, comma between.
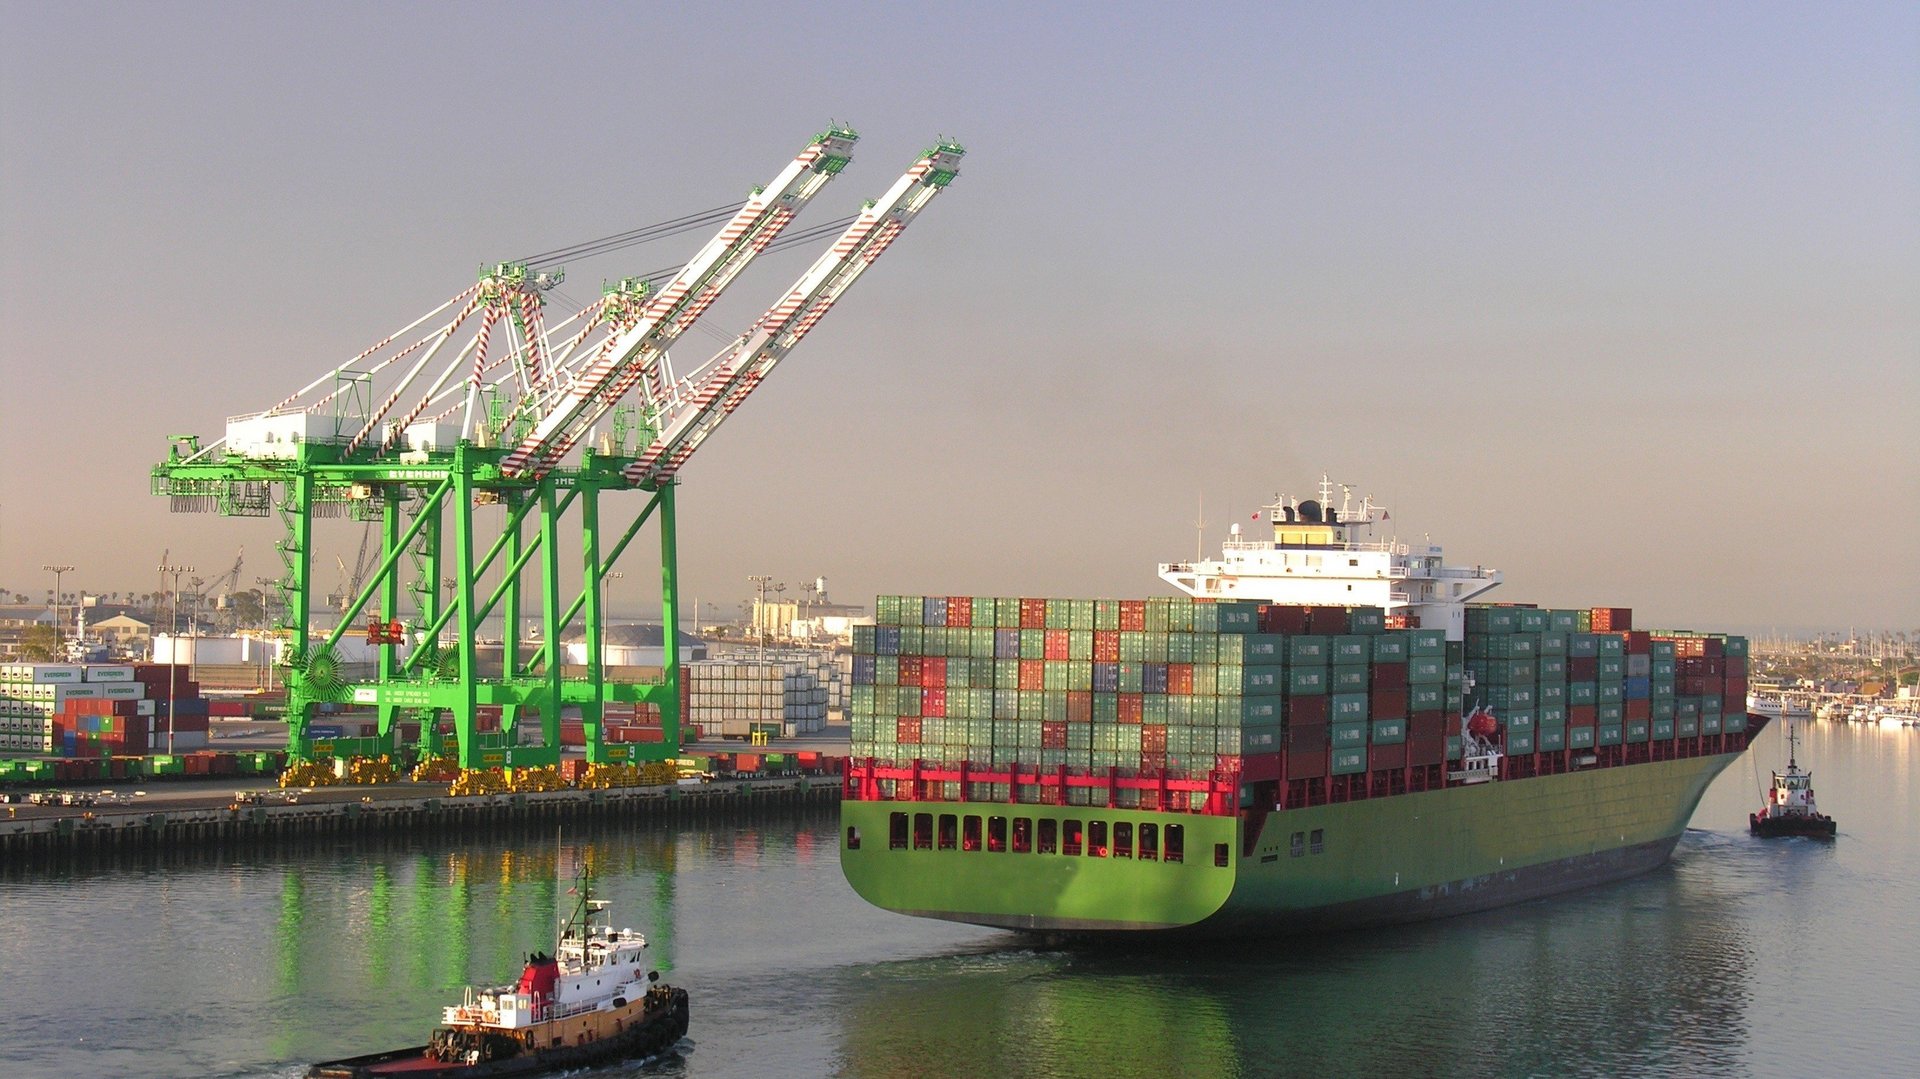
x: 1340, y: 865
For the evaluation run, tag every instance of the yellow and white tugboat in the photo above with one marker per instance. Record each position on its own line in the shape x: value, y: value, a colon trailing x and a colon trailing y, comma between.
x: 597, y: 999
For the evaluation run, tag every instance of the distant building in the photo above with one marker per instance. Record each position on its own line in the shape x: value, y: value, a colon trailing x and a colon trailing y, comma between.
x: 633, y: 645
x: 800, y: 620
x: 123, y: 632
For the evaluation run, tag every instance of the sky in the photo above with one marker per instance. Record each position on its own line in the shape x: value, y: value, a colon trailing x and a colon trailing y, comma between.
x: 1622, y: 299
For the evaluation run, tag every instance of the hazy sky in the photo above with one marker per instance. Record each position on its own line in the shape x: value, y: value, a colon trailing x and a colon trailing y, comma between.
x: 1622, y: 299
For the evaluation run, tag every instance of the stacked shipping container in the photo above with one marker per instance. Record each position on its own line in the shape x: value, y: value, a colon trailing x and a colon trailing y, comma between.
x: 1194, y: 689
x: 783, y: 696
x: 92, y: 710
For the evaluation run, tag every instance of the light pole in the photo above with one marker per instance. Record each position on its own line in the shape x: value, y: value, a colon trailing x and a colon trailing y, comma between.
x: 59, y: 650
x: 760, y: 580
x: 173, y: 643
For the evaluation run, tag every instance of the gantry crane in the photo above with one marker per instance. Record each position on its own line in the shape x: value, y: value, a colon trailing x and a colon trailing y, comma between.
x: 472, y: 468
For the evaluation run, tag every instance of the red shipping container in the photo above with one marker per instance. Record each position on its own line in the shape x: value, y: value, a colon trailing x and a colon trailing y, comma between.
x: 1180, y: 679
x: 1106, y: 646
x: 1389, y: 675
x: 1256, y: 768
x: 1701, y: 665
x: 1611, y: 619
x: 1389, y: 703
x: 1454, y: 722
x: 1033, y: 674
x: 1283, y: 618
x: 1153, y: 738
x: 1427, y: 749
x: 1638, y: 642
x: 1306, y: 711
x: 1079, y: 706
x: 1053, y: 735
x: 933, y: 671
x: 1033, y: 614
x: 1582, y: 715
x: 1057, y: 644
x: 1386, y: 758
x: 910, y: 670
x: 1330, y: 620
x: 1306, y: 764
x: 906, y: 730
x: 1307, y: 737
x: 933, y: 702
x: 1132, y: 708
x: 1638, y: 708
x: 1133, y: 616
x: 1151, y: 762
x: 1582, y: 668
x: 960, y: 610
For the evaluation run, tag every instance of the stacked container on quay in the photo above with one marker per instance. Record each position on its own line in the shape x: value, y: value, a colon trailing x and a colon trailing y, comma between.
x: 1257, y: 757
x: 99, y: 709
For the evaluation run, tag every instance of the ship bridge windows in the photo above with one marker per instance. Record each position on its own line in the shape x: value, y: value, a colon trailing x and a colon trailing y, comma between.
x: 970, y: 833
x: 923, y: 831
x: 1176, y: 846
x: 1122, y: 839
x: 1149, y: 842
x: 1022, y: 835
x: 1072, y: 837
x: 1317, y: 841
x: 996, y: 834
x: 1049, y: 842
x: 897, y: 831
x: 949, y: 831
x: 1097, y: 838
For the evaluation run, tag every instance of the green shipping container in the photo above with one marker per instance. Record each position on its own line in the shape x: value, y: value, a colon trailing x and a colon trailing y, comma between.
x: 1426, y: 642
x: 1347, y: 708
x: 1308, y: 648
x: 1389, y: 732
x: 1611, y: 735
x: 1306, y: 681
x: 1426, y: 670
x: 1519, y: 743
x: 1348, y: 762
x: 1351, y: 648
x: 1518, y: 720
x: 1550, y: 741
x: 1347, y: 735
x: 1580, y: 737
x: 1348, y: 677
x: 1663, y: 730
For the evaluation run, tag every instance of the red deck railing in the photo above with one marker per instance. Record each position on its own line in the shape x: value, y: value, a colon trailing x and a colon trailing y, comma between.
x: 863, y: 775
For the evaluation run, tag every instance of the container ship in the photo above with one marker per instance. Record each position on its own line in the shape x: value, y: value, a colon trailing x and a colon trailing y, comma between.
x: 1322, y: 731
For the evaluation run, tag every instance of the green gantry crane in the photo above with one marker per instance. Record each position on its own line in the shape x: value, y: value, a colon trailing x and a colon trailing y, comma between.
x: 494, y: 458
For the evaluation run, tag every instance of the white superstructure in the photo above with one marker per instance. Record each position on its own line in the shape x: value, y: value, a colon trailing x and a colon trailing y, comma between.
x: 1318, y: 555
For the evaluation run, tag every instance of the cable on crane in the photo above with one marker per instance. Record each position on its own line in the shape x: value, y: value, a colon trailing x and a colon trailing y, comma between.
x: 800, y: 236
x: 633, y: 237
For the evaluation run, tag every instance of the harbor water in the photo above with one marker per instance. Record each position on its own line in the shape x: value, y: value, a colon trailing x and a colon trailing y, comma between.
x: 1741, y: 957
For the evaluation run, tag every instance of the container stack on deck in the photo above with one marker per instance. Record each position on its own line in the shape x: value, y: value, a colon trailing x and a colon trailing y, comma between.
x: 97, y: 710
x: 1587, y: 681
x: 1319, y: 701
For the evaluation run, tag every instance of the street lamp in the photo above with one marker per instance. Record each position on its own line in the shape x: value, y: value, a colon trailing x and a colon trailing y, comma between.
x: 173, y: 643
x: 59, y: 651
x: 761, y: 581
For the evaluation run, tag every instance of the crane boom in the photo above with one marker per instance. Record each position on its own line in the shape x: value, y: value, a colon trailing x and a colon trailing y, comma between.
x: 729, y: 377
x: 631, y: 355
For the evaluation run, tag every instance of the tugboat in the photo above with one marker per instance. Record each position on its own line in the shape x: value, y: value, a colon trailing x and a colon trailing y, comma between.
x: 594, y: 1001
x: 1789, y: 809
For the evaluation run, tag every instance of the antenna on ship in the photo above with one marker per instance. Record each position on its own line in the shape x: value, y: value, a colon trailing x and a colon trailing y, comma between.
x: 1200, y: 530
